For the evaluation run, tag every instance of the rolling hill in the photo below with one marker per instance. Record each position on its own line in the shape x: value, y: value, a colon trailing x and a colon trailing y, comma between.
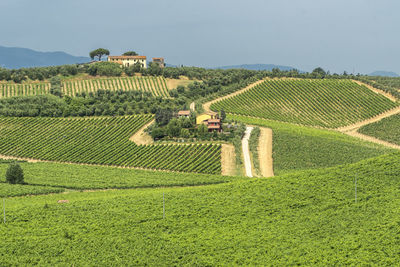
x: 257, y: 67
x: 16, y: 57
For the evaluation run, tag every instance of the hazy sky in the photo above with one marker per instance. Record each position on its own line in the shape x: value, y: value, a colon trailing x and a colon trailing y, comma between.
x: 336, y: 35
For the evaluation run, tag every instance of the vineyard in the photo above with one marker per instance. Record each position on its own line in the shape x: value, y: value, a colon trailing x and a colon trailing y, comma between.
x: 322, y: 103
x: 306, y: 218
x: 157, y: 86
x: 387, y: 129
x: 299, y: 148
x: 101, y: 140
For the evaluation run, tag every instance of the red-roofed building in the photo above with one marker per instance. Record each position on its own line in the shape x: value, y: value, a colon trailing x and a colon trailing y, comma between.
x: 159, y: 61
x: 127, y: 61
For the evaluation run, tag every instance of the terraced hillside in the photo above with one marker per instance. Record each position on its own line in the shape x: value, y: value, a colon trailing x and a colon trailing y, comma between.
x: 101, y: 140
x: 306, y: 218
x: 387, y: 129
x: 157, y: 86
x: 323, y: 103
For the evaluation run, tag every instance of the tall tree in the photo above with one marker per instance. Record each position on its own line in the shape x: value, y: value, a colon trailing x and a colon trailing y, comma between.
x: 99, y: 53
x: 130, y: 53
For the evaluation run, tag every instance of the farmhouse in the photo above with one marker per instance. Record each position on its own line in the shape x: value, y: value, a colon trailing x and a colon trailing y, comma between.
x: 206, y: 116
x: 127, y: 61
x: 184, y: 114
x: 214, y: 125
x: 159, y: 61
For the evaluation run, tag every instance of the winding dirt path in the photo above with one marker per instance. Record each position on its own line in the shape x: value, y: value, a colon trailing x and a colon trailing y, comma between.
x: 265, y: 152
x: 377, y: 118
x: 206, y: 106
x: 355, y: 133
x: 246, y: 151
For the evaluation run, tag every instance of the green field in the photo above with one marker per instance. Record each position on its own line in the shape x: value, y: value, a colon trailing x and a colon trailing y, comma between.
x: 101, y: 140
x: 306, y: 218
x: 299, y: 147
x: 157, y: 86
x: 46, y: 177
x: 323, y: 103
x: 387, y: 129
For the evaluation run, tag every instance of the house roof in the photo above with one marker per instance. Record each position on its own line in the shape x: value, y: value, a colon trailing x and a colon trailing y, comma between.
x: 183, y: 112
x: 214, y: 120
x: 211, y: 113
x: 127, y: 57
x: 214, y: 126
x: 158, y: 58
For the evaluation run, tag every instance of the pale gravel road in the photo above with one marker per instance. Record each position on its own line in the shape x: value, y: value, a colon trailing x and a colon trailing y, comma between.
x: 246, y: 152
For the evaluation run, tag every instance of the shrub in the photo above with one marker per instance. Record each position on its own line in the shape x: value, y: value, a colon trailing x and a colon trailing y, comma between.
x: 14, y: 174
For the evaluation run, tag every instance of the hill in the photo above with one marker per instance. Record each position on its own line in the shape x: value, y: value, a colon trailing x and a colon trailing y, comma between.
x: 384, y: 73
x: 16, y: 57
x: 257, y: 67
x: 305, y: 218
x: 323, y: 103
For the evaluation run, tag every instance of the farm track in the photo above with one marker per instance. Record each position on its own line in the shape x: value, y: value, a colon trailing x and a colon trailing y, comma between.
x: 206, y: 106
x: 246, y: 151
x: 265, y: 152
x: 228, y: 163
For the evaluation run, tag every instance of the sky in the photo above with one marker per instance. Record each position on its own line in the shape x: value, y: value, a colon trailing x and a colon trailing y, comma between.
x: 337, y: 35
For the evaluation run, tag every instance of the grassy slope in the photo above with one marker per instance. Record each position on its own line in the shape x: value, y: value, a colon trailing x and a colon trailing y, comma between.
x: 387, y: 129
x: 297, y: 147
x: 74, y: 176
x: 305, y: 218
x: 324, y: 103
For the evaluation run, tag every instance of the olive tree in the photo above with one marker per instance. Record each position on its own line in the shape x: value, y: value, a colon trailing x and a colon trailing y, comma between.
x: 99, y: 53
x: 15, y: 174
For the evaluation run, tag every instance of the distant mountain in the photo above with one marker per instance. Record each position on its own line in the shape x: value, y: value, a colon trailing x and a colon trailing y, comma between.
x: 384, y: 73
x: 257, y: 67
x: 15, y: 58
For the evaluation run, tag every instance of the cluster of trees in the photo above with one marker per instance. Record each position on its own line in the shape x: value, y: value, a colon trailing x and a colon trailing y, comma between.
x: 39, y: 73
x: 102, y: 102
x: 168, y: 126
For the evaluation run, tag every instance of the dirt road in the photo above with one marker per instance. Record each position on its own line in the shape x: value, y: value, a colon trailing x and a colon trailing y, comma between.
x: 246, y: 152
x: 265, y: 152
x: 206, y: 106
x: 228, y: 159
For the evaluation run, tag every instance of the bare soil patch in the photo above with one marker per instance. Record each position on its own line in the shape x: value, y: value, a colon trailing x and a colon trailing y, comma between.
x: 265, y: 152
x: 228, y: 162
x: 174, y: 83
x: 141, y: 137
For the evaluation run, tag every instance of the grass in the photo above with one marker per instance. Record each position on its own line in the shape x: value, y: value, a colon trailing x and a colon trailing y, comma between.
x: 322, y: 103
x: 306, y: 218
x: 298, y: 147
x: 79, y: 177
x: 387, y: 129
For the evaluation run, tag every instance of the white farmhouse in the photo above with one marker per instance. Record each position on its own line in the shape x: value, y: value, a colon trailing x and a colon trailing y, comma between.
x: 127, y: 61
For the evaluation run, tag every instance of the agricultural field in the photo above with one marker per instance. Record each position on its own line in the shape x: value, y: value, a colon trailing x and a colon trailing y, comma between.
x: 387, y: 129
x: 49, y: 177
x: 157, y: 86
x: 101, y: 140
x: 321, y: 103
x: 304, y: 218
x: 298, y: 147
